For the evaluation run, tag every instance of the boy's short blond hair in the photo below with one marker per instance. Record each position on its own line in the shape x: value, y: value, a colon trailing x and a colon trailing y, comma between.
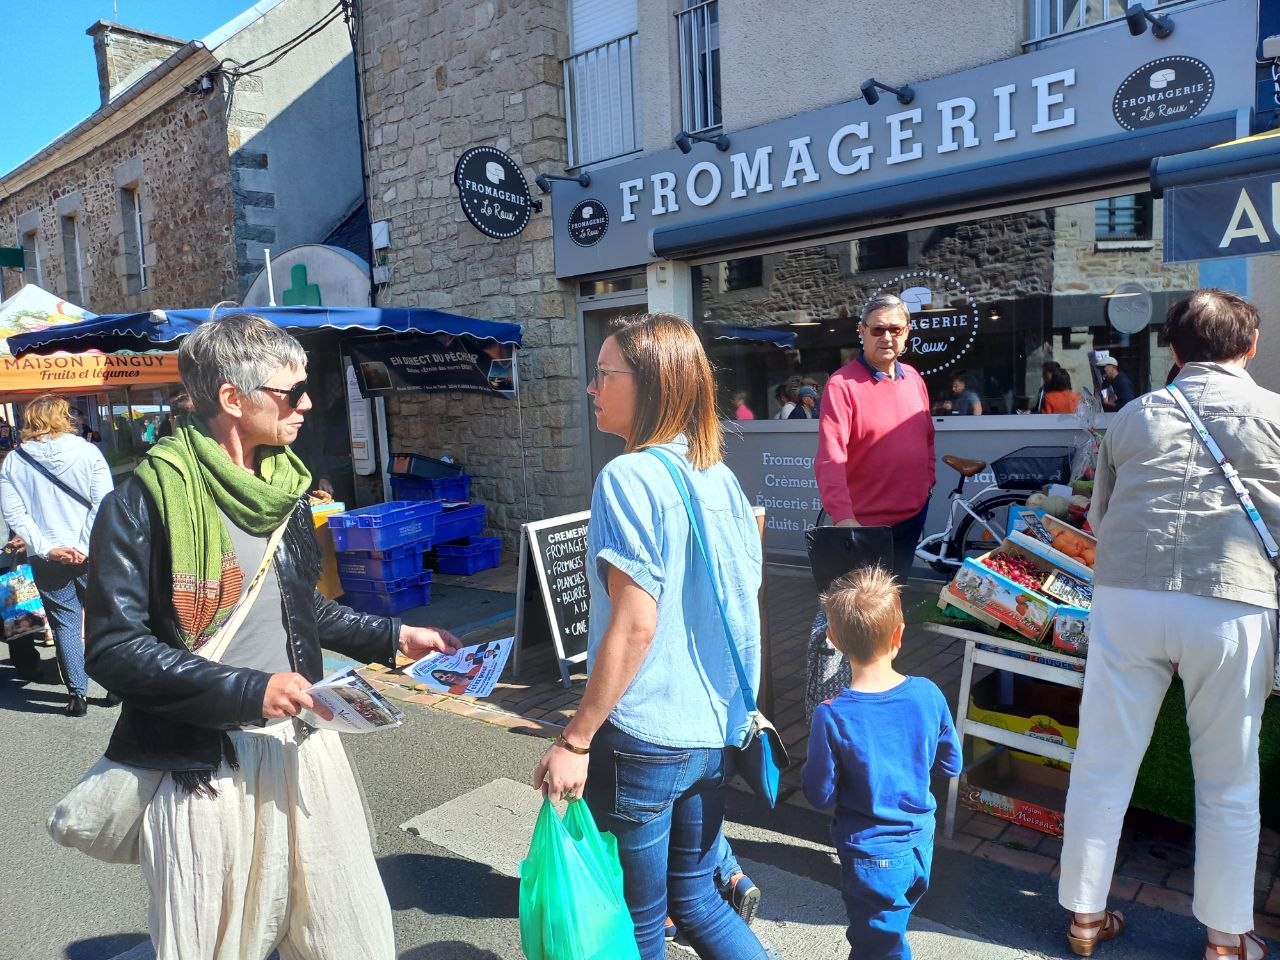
x: 863, y: 611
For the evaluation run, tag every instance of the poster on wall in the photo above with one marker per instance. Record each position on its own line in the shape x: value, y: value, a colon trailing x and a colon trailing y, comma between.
x: 434, y: 364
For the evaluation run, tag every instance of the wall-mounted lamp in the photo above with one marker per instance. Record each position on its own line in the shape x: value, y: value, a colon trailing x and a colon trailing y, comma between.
x: 1137, y: 16
x: 871, y: 94
x: 685, y: 141
x: 543, y: 180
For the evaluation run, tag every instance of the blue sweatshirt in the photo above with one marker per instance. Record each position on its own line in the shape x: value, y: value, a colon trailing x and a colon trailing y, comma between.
x: 870, y: 756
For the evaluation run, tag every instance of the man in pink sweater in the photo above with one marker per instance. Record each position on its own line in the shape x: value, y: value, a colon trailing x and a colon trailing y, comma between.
x: 875, y: 463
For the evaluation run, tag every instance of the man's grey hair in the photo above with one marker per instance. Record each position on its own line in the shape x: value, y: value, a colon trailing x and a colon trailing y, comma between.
x: 241, y: 349
x: 886, y: 301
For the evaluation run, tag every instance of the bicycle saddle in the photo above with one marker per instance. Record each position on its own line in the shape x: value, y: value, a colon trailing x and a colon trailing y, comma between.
x: 966, y: 468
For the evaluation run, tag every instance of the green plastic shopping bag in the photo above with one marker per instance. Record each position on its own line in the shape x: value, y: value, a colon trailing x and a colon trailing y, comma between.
x: 571, y: 903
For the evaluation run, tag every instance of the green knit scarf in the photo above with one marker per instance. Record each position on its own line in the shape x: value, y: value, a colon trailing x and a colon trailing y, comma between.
x: 190, y: 479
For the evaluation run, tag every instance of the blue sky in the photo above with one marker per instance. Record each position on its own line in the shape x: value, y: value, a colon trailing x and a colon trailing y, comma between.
x: 48, y: 80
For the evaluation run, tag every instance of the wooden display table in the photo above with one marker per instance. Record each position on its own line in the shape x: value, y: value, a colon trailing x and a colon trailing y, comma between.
x: 1051, y: 666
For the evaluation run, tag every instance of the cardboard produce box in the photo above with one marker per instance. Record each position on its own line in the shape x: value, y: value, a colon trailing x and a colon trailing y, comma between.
x: 1071, y: 630
x: 1046, y: 711
x: 1020, y: 792
x: 980, y: 591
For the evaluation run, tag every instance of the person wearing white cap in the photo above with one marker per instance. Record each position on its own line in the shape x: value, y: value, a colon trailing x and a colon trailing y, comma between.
x: 1117, y: 388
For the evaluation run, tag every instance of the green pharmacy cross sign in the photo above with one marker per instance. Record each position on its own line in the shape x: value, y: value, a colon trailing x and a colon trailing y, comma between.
x: 12, y: 257
x: 301, y: 294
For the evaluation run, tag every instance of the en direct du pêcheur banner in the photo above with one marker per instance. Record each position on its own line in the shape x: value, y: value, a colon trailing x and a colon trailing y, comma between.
x: 434, y: 364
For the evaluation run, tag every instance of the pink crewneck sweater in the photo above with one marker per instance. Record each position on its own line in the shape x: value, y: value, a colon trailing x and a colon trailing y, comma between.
x: 875, y: 445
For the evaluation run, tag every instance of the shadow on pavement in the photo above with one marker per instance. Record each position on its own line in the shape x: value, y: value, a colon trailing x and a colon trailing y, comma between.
x: 448, y: 950
x: 448, y: 886
x: 101, y: 948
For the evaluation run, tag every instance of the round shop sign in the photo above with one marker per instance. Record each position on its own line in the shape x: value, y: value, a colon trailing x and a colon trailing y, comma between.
x: 1129, y: 307
x: 494, y: 193
x: 944, y: 318
x: 1163, y: 91
x: 588, y: 223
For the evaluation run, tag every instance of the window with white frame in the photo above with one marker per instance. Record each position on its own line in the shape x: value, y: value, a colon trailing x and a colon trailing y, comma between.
x: 699, y: 25
x: 599, y: 81
x: 1047, y: 18
x: 135, y: 246
x: 32, y: 269
x: 73, y: 264
x: 1123, y: 218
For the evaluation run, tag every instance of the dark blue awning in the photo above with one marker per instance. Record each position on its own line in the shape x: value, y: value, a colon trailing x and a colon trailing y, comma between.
x: 779, y: 338
x: 1221, y: 202
x: 1239, y: 158
x: 110, y: 332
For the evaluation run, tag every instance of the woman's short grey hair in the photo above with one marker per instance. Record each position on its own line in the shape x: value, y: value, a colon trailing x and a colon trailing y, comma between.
x: 886, y: 301
x: 241, y: 349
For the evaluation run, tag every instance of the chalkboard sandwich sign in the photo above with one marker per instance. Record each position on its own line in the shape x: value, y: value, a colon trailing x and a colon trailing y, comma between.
x: 551, y: 598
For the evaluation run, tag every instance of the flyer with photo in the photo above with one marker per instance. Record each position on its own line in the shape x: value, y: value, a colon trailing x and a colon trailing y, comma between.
x: 352, y: 705
x: 471, y: 671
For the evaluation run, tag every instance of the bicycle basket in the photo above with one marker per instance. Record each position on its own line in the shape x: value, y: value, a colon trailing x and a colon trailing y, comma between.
x: 1030, y: 468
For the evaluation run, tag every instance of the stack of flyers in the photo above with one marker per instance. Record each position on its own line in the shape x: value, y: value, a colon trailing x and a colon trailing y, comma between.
x: 346, y: 702
x: 471, y: 671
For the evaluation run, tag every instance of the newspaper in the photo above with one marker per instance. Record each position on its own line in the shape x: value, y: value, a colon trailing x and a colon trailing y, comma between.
x: 470, y: 671
x: 347, y: 703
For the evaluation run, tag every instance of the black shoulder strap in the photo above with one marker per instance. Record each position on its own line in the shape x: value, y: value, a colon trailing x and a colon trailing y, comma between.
x: 60, y: 484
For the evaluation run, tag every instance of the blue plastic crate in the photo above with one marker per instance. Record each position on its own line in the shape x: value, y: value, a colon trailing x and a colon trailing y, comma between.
x: 470, y: 556
x: 418, y: 465
x: 459, y: 522
x: 439, y: 488
x: 382, y: 565
x: 384, y: 526
x: 391, y: 598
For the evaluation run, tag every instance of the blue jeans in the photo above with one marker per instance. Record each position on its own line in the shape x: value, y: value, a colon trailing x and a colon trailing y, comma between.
x: 664, y: 805
x: 726, y: 862
x: 879, y: 895
x: 62, y: 588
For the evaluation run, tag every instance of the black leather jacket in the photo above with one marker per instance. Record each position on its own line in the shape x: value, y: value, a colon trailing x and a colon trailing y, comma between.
x: 176, y: 703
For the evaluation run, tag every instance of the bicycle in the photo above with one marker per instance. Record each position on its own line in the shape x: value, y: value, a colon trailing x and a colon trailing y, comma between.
x: 973, y: 524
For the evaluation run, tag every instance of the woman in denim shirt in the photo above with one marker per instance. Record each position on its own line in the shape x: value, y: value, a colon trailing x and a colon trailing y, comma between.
x: 662, y: 703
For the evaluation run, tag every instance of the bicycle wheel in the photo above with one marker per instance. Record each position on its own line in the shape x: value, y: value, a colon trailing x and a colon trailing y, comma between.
x: 971, y: 538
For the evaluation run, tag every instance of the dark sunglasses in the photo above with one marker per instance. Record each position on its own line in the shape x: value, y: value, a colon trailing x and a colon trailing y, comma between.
x: 292, y: 394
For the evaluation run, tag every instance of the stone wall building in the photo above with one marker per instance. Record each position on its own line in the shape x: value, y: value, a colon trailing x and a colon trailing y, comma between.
x: 992, y: 166
x: 167, y: 194
x: 439, y: 78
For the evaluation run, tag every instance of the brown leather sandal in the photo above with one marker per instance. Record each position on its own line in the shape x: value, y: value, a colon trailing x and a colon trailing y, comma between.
x: 1111, y: 925
x: 1241, y: 950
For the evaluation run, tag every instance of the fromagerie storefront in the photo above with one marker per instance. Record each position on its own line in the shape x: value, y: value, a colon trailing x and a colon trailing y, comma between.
x: 1008, y: 205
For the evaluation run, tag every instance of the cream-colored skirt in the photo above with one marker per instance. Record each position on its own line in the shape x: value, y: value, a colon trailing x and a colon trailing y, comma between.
x: 281, y: 858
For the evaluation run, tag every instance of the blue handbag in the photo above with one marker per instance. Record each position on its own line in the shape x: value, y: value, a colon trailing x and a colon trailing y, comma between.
x: 762, y: 757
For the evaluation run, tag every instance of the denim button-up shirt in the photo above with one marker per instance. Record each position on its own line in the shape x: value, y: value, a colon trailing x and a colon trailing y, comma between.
x: 686, y: 693
x: 1165, y: 515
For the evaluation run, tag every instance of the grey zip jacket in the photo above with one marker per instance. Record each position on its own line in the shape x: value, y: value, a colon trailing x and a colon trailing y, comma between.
x: 1165, y: 516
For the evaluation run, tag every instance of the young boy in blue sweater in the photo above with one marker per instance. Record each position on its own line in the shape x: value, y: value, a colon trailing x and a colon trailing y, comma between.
x: 871, y: 751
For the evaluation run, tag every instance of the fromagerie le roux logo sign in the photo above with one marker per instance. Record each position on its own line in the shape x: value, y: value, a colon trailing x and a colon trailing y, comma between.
x: 944, y: 318
x: 1163, y: 91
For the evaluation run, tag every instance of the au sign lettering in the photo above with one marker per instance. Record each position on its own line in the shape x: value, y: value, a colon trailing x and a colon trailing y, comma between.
x: 1247, y: 223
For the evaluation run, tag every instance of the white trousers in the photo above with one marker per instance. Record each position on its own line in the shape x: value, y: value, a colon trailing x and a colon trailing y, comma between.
x: 281, y: 857
x: 1225, y: 653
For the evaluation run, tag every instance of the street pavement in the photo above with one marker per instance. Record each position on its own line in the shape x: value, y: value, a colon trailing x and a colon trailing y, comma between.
x: 453, y: 818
